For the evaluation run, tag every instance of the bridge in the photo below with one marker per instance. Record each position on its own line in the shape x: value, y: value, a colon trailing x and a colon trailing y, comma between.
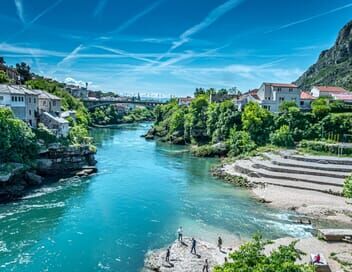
x: 92, y: 104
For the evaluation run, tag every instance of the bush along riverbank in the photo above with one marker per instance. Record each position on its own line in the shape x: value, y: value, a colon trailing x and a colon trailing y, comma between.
x: 218, y: 129
x: 28, y: 157
x: 108, y: 116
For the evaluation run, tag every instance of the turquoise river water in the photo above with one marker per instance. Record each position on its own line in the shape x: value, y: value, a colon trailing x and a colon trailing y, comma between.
x: 144, y: 190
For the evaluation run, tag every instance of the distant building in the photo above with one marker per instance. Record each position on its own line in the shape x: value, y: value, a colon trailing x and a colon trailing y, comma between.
x: 270, y: 96
x: 78, y: 91
x: 220, y: 97
x: 48, y: 102
x: 15, y: 99
x: 59, y: 126
x: 306, y: 100
x: 185, y: 101
x: 336, y: 93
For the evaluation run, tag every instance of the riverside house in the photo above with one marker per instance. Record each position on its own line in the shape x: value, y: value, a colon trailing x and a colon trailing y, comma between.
x: 13, y: 98
x: 336, y: 93
x: 271, y: 95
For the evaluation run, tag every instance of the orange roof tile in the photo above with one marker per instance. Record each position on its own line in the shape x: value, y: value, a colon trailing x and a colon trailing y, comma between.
x: 331, y: 89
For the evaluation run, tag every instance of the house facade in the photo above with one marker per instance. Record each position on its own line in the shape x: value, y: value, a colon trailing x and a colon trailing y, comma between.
x: 48, y: 102
x: 13, y: 98
x: 333, y: 92
x: 272, y: 95
x: 59, y: 126
x: 306, y: 101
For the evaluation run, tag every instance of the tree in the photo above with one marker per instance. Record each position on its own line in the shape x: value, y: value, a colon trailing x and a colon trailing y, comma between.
x: 282, y: 137
x: 196, y: 119
x: 321, y: 108
x: 257, y: 122
x: 240, y: 142
x: 3, y: 77
x: 24, y: 71
x: 17, y: 141
x: 286, y: 105
x: 250, y: 257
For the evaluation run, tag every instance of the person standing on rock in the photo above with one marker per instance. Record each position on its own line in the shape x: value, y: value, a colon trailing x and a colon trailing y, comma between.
x: 206, y: 266
x: 193, y: 248
x: 219, y: 243
x: 180, y: 234
x: 167, y: 258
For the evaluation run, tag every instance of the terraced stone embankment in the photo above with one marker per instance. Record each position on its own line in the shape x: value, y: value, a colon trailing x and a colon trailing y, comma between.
x: 287, y: 169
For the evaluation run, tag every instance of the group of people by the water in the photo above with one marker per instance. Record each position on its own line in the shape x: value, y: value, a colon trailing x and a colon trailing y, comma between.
x: 193, y: 248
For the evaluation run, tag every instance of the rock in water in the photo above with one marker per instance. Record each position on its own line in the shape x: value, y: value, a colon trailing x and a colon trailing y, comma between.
x: 181, y: 260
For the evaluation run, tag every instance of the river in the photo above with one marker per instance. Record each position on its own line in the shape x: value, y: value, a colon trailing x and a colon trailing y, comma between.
x: 144, y: 190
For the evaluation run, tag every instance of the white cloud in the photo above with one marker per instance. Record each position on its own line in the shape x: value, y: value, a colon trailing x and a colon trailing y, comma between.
x: 310, y: 18
x: 100, y: 7
x: 72, y: 81
x: 19, y: 8
x: 10, y: 48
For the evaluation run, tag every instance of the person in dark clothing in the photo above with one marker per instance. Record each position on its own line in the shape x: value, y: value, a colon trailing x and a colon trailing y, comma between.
x: 206, y: 266
x: 219, y: 243
x: 193, y: 248
x: 167, y: 258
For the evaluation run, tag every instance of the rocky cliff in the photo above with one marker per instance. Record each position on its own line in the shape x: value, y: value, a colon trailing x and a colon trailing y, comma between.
x: 334, y: 66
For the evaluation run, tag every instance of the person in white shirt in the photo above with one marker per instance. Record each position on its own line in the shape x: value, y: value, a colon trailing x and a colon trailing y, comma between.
x: 180, y: 234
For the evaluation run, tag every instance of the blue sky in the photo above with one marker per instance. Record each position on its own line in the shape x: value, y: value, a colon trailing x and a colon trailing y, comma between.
x: 169, y: 46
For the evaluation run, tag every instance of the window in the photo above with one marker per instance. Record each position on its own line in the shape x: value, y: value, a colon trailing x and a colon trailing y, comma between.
x: 30, y: 112
x: 279, y: 89
x: 290, y: 89
x: 281, y: 98
x: 266, y: 107
x: 30, y: 100
x: 54, y: 103
x: 15, y: 98
x: 34, y: 100
x: 1, y: 98
x: 12, y: 98
x: 302, y: 103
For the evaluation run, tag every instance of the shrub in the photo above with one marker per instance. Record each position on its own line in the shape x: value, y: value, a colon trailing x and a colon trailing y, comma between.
x: 324, y: 147
x: 240, y: 142
x: 219, y: 149
x: 282, y: 137
x: 78, y: 135
x: 250, y: 257
x: 347, y: 187
x: 44, y: 134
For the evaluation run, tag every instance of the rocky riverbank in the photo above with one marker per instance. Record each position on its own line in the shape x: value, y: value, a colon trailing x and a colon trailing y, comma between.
x: 55, y: 162
x: 309, y: 185
x: 337, y: 254
x: 181, y: 260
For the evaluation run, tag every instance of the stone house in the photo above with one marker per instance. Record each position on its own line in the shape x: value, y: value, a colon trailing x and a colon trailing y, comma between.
x: 185, y: 101
x: 336, y: 93
x: 48, y: 102
x: 13, y: 98
x: 59, y: 126
x: 306, y: 100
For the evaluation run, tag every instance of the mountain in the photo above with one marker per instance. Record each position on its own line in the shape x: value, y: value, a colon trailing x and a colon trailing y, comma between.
x: 334, y: 66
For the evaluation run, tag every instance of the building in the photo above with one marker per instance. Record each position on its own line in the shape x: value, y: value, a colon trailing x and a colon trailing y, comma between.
x: 185, y: 101
x: 272, y: 95
x: 78, y: 91
x: 59, y: 126
x: 306, y: 100
x: 15, y: 99
x: 31, y: 105
x: 244, y: 99
x: 48, y: 102
x: 336, y: 93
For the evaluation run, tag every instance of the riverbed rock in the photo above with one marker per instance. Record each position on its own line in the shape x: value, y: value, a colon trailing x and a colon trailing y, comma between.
x: 11, y: 172
x: 181, y: 260
x: 33, y: 179
x: 61, y: 160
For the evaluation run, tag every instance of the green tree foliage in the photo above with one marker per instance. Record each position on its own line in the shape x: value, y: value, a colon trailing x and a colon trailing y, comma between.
x: 282, y: 137
x: 339, y: 124
x: 321, y: 107
x: 17, y: 141
x: 24, y: 70
x: 258, y: 122
x: 250, y: 257
x: 3, y: 77
x: 347, y: 187
x: 196, y: 119
x: 79, y: 135
x: 240, y: 142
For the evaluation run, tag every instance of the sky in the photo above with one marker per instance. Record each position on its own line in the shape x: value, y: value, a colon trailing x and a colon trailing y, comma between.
x: 169, y: 47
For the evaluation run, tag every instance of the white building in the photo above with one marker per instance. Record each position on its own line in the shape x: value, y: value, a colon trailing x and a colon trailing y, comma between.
x: 15, y: 99
x: 59, y: 126
x: 270, y: 96
x: 336, y: 93
x: 306, y: 100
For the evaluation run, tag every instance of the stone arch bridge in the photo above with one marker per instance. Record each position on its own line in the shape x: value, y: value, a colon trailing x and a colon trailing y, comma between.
x: 92, y: 104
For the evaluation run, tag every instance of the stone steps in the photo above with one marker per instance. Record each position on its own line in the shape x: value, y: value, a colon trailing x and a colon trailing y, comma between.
x: 278, y: 160
x: 319, y: 159
x: 246, y: 167
x: 296, y: 169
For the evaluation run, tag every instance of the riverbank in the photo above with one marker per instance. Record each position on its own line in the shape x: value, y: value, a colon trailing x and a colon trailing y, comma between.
x: 337, y: 254
x: 53, y: 163
x: 309, y: 185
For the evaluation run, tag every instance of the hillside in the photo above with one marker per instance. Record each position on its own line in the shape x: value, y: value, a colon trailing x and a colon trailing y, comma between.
x: 334, y: 66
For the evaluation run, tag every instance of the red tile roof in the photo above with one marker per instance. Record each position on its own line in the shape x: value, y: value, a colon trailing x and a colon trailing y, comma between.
x: 331, y: 89
x: 307, y: 96
x: 284, y: 85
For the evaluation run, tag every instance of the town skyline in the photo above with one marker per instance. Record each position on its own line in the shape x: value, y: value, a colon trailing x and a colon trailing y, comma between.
x: 169, y: 47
